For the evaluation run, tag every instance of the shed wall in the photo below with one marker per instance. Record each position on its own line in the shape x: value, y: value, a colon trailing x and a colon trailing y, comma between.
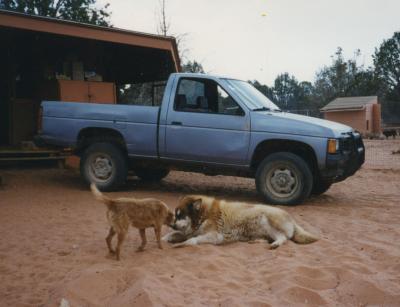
x: 354, y: 119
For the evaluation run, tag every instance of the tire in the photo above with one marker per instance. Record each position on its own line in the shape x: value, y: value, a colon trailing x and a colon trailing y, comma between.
x: 105, y: 165
x: 284, y: 178
x: 320, y: 187
x: 151, y: 174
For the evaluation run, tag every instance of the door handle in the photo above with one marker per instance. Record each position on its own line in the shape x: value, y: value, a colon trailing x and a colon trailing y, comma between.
x: 176, y: 123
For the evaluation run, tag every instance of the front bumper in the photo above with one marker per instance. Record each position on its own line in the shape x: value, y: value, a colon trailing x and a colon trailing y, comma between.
x: 350, y: 158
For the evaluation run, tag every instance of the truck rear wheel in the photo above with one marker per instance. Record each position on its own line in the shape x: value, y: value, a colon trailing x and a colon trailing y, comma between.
x: 284, y: 178
x: 151, y: 174
x: 105, y: 165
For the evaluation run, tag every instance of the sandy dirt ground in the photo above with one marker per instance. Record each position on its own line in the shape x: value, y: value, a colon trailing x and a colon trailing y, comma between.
x: 52, y: 246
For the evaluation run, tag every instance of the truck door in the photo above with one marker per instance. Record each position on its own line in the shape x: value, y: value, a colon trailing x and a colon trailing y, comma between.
x: 206, y: 124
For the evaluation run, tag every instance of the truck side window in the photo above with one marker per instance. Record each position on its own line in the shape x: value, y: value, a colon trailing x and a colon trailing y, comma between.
x: 189, y: 95
x: 204, y: 96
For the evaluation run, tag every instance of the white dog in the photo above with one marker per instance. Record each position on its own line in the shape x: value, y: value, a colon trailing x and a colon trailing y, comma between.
x: 201, y: 219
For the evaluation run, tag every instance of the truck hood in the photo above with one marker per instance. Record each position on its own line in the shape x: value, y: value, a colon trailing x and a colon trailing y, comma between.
x: 288, y: 123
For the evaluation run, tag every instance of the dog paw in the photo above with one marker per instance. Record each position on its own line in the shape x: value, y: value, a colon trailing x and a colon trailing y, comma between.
x: 174, y: 237
x: 256, y: 241
x: 274, y: 246
x: 165, y: 238
x: 190, y: 242
x: 110, y: 256
x: 177, y: 245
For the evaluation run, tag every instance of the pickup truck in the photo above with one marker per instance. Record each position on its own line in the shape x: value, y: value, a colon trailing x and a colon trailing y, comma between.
x: 208, y: 124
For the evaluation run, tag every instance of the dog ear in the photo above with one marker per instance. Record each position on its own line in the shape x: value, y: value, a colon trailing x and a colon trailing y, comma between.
x: 197, y: 204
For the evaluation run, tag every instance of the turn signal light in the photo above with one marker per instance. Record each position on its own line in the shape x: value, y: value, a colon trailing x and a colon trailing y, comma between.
x: 333, y: 146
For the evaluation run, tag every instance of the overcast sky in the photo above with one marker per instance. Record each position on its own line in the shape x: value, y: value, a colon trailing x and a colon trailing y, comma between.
x: 258, y: 39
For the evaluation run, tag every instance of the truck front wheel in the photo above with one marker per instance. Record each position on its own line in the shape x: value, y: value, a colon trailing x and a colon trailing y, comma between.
x: 105, y: 165
x: 284, y: 178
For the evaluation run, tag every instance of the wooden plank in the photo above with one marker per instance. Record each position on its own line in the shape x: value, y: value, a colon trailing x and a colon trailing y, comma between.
x: 32, y: 158
x: 27, y: 152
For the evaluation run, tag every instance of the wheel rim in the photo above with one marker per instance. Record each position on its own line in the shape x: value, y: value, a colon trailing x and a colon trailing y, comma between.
x: 282, y: 181
x: 101, y: 167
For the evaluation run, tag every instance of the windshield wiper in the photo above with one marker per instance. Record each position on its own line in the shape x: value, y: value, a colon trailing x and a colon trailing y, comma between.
x: 262, y: 109
x: 266, y: 109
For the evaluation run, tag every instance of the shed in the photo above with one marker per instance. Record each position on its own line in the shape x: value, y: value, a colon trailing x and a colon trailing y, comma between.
x: 44, y: 58
x: 361, y: 113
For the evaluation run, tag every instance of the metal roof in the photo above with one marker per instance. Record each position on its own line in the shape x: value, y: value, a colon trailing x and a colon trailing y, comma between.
x: 28, y: 22
x: 349, y: 103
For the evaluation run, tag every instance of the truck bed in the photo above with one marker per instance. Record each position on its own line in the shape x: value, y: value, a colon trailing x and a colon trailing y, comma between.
x: 63, y: 121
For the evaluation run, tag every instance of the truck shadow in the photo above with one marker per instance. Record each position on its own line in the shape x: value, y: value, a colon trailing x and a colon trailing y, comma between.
x: 222, y: 188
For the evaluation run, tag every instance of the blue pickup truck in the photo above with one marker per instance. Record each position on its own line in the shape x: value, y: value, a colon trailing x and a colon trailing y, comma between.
x: 208, y: 124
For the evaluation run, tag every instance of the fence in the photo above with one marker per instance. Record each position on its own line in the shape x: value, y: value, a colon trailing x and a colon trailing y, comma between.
x: 307, y: 112
x: 379, y: 154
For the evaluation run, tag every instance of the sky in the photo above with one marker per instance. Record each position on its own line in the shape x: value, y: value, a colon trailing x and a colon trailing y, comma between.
x: 259, y: 39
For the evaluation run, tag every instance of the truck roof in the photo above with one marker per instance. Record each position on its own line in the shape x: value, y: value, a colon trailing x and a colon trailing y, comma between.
x: 203, y: 75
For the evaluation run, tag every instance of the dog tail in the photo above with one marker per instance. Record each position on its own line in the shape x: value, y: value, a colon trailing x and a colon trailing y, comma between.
x: 302, y: 236
x: 101, y: 197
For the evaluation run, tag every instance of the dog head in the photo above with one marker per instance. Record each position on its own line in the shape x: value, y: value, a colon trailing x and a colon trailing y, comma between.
x: 169, y: 220
x: 189, y: 214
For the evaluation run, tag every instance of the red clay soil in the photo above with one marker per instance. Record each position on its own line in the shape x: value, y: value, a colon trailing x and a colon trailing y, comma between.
x: 53, y: 247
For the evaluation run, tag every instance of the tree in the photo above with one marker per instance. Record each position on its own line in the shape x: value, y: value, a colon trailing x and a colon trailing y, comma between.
x: 286, y: 91
x: 193, y: 67
x: 344, y: 78
x: 333, y: 81
x: 163, y: 24
x: 77, y: 10
x: 364, y: 83
x: 387, y: 65
x: 340, y: 79
x: 265, y: 89
x: 305, y: 96
x: 163, y: 28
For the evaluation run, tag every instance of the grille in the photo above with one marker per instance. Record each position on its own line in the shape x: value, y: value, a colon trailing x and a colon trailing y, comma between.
x: 351, y: 142
x: 346, y: 144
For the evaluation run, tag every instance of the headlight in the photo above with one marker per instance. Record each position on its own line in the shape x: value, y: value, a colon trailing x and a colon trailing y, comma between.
x: 333, y: 146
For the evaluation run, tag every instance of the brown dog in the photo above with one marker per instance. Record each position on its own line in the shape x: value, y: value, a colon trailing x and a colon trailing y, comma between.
x: 141, y: 213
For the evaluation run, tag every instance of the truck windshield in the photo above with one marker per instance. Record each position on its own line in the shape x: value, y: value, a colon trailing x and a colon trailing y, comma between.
x: 253, y: 98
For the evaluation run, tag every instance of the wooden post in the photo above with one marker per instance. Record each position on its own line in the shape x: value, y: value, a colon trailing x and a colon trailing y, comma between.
x: 376, y: 119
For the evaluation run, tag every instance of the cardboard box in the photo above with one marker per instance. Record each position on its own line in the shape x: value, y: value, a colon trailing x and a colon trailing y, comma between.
x: 77, y: 71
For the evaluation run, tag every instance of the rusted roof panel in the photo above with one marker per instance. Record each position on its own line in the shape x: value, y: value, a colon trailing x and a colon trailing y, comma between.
x: 349, y: 103
x: 76, y: 29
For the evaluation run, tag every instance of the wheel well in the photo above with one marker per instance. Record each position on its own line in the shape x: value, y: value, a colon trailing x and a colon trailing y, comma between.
x: 88, y: 136
x: 271, y: 146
